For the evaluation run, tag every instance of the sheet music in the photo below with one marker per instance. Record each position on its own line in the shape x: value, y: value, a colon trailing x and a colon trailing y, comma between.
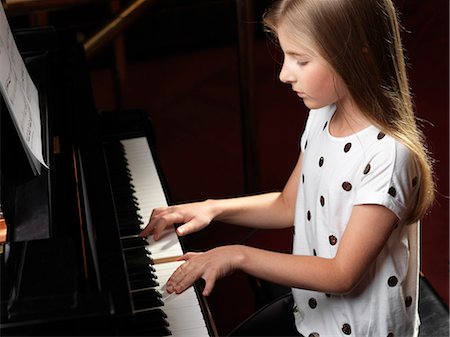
x: 20, y: 95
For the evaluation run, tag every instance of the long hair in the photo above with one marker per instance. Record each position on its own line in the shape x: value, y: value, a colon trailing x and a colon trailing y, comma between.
x: 361, y: 40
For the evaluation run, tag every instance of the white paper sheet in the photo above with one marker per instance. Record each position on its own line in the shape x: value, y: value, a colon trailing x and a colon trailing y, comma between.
x: 20, y: 95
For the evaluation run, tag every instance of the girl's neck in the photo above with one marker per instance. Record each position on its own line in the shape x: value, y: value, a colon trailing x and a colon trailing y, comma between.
x: 347, y: 120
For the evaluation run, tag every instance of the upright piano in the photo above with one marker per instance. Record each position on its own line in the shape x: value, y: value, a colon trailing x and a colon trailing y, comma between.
x: 72, y: 262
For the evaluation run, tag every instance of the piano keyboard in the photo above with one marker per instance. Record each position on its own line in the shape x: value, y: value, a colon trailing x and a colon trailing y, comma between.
x: 150, y: 263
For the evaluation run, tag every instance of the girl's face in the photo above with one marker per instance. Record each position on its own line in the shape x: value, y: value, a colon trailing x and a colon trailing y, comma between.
x: 310, y: 76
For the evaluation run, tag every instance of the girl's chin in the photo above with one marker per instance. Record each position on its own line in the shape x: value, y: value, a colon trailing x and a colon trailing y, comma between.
x: 311, y: 104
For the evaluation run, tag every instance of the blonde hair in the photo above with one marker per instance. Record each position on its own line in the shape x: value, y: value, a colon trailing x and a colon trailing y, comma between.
x: 361, y: 40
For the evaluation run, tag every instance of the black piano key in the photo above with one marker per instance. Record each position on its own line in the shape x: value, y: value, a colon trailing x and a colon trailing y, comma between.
x: 143, y: 283
x: 122, y: 183
x: 129, y: 231
x: 134, y: 242
x: 148, y: 298
x: 129, y: 222
x: 124, y: 194
x: 156, y: 329
x: 146, y: 323
x: 126, y: 204
x: 142, y: 271
x: 141, y: 274
x: 148, y: 317
x: 152, y: 330
x: 137, y: 251
x: 138, y: 261
x: 132, y: 264
x: 127, y: 214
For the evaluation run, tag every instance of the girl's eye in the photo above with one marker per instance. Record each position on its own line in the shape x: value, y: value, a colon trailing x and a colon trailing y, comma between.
x: 302, y: 63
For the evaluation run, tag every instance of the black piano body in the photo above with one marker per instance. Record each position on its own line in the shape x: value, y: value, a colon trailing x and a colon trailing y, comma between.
x: 63, y: 271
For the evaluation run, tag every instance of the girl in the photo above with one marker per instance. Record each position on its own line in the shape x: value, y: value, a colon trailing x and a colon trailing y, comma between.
x: 362, y: 181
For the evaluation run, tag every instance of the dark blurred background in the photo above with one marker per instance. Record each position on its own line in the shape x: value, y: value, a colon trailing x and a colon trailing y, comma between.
x: 224, y: 125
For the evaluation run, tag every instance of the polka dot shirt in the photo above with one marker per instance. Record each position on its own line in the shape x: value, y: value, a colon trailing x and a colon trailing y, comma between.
x: 368, y: 167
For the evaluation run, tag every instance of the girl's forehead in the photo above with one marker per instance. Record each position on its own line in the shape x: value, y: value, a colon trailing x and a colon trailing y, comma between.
x: 294, y: 42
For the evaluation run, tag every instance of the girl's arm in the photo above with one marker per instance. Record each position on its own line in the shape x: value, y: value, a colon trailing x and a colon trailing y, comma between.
x: 269, y: 210
x: 367, y: 232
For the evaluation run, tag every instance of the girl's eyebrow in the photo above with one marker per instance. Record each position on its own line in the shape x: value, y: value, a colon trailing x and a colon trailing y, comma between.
x: 294, y: 53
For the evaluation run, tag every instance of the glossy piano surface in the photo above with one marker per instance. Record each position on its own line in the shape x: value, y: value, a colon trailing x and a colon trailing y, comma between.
x: 72, y: 263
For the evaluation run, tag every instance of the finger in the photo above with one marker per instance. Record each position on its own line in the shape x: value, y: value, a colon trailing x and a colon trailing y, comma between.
x: 148, y: 230
x: 187, y: 256
x: 186, y: 274
x: 188, y: 227
x: 163, y: 222
x: 186, y: 282
x: 179, y: 280
x: 209, y: 285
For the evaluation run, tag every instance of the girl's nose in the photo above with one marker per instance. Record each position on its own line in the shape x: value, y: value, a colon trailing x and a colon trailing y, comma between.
x: 285, y: 75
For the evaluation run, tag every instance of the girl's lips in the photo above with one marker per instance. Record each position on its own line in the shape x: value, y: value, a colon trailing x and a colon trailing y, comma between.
x: 300, y: 94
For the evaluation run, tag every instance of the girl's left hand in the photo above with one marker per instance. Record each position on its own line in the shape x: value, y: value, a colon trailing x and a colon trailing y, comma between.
x: 210, y: 266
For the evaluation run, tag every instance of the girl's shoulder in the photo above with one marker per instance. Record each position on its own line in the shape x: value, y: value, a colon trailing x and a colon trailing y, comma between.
x: 389, y: 148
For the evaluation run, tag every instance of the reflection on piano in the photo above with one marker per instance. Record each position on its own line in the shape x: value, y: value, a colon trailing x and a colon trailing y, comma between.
x: 72, y: 262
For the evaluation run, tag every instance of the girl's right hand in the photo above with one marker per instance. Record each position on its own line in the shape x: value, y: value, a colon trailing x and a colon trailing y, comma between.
x: 192, y: 217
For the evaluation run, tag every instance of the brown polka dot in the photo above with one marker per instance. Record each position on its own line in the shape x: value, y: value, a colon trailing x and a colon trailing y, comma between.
x: 346, y: 186
x: 328, y: 295
x: 333, y: 240
x: 314, y: 252
x: 380, y: 135
x: 306, y: 144
x: 314, y: 334
x: 312, y: 303
x: 390, y: 334
x: 392, y: 281
x: 322, y: 200
x: 308, y: 215
x: 326, y: 123
x: 320, y: 161
x: 408, y: 301
x: 392, y: 191
x: 295, y: 309
x: 414, y: 181
x: 367, y: 169
x: 303, y: 178
x: 347, y: 329
x: 347, y: 147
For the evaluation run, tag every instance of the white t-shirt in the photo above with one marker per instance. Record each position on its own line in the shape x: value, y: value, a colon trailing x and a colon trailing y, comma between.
x: 368, y: 167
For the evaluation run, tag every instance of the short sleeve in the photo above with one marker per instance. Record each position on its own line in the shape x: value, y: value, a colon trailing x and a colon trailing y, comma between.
x: 389, y: 177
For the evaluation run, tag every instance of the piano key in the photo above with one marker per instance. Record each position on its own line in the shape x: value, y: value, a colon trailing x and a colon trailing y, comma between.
x: 185, y: 319
x: 143, y: 282
x: 147, y: 298
x: 149, y: 194
x: 133, y: 242
x: 148, y: 323
x: 183, y: 311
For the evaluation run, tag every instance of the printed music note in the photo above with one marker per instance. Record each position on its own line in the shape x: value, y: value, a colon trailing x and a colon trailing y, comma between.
x: 20, y: 95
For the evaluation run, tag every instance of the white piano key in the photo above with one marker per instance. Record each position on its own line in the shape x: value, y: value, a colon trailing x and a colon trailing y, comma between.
x: 184, y: 317
x: 183, y: 311
x: 168, y: 246
x: 150, y: 194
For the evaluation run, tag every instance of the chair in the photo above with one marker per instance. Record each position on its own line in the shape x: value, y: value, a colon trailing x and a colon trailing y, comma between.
x: 434, y: 314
